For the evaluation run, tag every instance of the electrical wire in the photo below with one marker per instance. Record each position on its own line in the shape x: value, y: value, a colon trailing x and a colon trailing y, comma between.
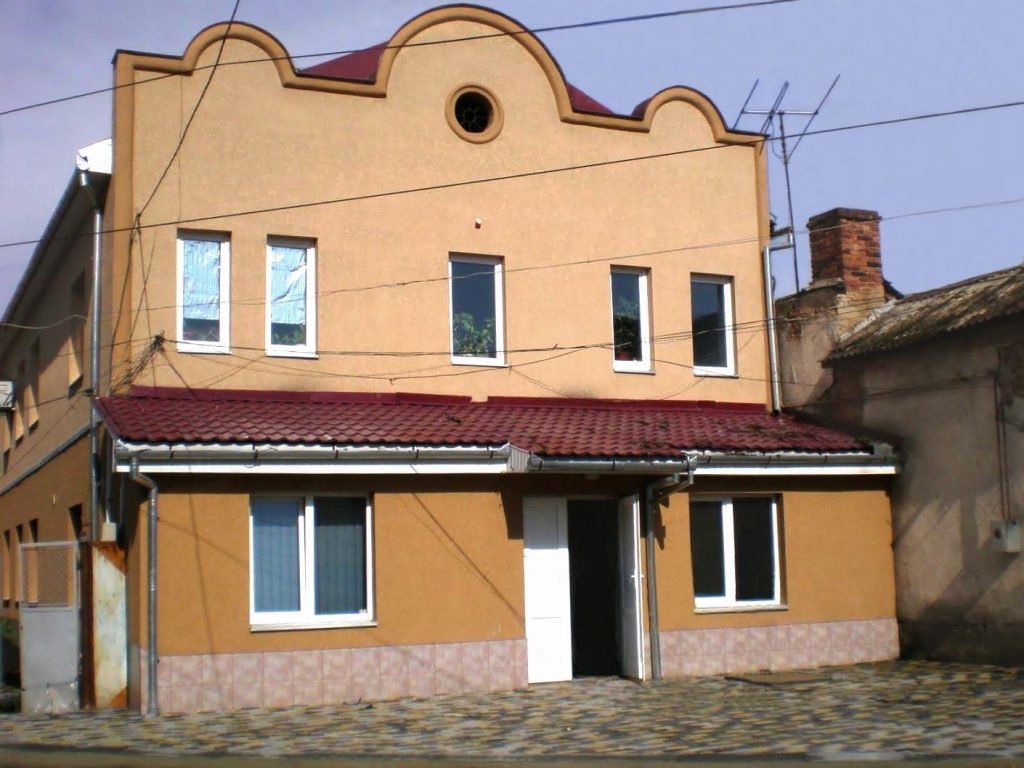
x: 444, y: 41
x: 533, y: 174
x: 261, y: 300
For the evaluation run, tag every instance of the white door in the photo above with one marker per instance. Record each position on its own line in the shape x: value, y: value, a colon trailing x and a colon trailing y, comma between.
x: 630, y: 592
x: 546, y: 574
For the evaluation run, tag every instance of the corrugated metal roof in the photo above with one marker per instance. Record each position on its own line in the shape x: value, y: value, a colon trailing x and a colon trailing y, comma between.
x: 564, y: 428
x: 924, y: 316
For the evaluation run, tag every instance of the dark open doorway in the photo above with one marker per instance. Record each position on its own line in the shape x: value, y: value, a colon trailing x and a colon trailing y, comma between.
x: 594, y: 586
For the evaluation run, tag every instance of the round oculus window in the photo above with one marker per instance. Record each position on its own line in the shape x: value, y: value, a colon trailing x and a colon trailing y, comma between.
x: 474, y: 114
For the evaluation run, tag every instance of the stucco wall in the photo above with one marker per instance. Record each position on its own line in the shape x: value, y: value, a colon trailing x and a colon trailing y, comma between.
x: 448, y: 560
x: 836, y: 557
x: 62, y: 408
x: 45, y: 496
x: 957, y: 597
x: 256, y: 144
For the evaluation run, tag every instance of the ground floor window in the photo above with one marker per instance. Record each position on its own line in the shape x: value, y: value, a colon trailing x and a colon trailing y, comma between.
x: 310, y: 561
x: 734, y: 547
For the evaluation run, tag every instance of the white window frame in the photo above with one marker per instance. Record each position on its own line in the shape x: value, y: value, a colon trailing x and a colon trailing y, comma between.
x: 294, y: 350
x: 730, y: 329
x: 223, y: 344
x: 728, y: 601
x: 643, y: 365
x: 306, y: 617
x: 499, y: 310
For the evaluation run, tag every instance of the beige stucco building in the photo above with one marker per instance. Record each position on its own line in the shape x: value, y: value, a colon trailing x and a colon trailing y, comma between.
x: 938, y: 372
x: 435, y: 375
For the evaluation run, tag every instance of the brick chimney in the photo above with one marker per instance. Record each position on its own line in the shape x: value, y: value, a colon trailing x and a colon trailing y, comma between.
x: 846, y: 286
x: 845, y: 248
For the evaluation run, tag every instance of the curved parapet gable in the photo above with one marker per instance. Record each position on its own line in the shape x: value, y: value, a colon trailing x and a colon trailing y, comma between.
x: 503, y: 25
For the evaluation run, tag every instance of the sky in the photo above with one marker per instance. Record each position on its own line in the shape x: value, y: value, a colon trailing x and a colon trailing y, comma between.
x: 896, y: 58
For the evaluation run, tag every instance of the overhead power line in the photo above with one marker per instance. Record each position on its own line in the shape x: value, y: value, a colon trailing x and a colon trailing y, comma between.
x: 255, y: 301
x: 445, y: 41
x: 537, y: 173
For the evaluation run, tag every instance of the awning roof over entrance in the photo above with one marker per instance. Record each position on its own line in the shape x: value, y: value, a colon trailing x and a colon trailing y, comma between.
x: 225, y: 430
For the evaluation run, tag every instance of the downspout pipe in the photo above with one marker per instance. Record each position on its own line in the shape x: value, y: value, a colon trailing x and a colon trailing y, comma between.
x: 151, y: 656
x: 656, y: 492
x: 94, y: 357
x: 780, y: 241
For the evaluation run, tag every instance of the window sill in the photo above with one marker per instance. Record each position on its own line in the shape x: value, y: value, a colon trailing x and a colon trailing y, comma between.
x: 621, y: 368
x: 721, y: 373
x: 486, y: 362
x: 273, y: 352
x: 289, y: 626
x: 739, y: 608
x: 203, y: 349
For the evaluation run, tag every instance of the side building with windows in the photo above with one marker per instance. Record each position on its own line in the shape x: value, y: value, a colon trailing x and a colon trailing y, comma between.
x: 463, y: 385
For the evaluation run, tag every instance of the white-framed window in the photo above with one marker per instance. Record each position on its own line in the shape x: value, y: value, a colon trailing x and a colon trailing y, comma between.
x: 631, y: 325
x: 734, y: 551
x: 291, y: 297
x: 203, y: 290
x: 714, y: 352
x: 310, y: 562
x: 476, y: 310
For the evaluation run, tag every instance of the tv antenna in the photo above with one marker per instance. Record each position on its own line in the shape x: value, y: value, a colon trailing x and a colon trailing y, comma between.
x: 778, y: 112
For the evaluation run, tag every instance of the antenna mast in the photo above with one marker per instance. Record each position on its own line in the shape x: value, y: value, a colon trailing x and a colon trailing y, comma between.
x: 777, y: 111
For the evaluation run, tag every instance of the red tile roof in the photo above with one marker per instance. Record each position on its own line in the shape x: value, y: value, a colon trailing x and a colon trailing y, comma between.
x: 547, y: 427
x: 362, y: 66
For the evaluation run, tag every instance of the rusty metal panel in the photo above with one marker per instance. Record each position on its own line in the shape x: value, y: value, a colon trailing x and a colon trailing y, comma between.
x: 110, y: 626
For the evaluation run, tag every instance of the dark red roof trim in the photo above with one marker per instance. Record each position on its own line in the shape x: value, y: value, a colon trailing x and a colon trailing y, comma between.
x: 544, y: 426
x: 361, y: 66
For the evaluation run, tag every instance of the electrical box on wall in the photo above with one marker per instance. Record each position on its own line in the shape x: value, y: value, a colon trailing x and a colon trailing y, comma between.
x: 1006, y: 535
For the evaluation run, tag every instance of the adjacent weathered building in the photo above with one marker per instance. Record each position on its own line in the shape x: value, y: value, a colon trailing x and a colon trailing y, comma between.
x: 941, y: 372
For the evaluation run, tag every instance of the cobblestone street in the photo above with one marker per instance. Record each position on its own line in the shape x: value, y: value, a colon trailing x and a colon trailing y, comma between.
x: 868, y: 711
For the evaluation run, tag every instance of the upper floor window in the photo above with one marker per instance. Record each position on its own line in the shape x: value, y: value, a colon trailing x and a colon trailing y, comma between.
x: 734, y: 547
x: 311, y: 561
x: 631, y: 330
x: 712, y: 312
x: 18, y: 413
x: 76, y: 332
x: 291, y: 297
x: 204, y: 268
x: 32, y: 386
x: 477, y: 322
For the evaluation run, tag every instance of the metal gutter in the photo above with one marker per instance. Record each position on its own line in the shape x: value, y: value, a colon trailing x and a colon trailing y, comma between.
x: 325, y: 459
x: 507, y: 458
x: 655, y: 492
x: 84, y: 178
x: 151, y: 654
x: 784, y: 463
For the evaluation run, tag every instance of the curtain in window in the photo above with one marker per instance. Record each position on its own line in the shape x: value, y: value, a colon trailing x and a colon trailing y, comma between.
x: 201, y: 299
x: 275, y: 554
x: 287, y: 295
x: 340, y: 555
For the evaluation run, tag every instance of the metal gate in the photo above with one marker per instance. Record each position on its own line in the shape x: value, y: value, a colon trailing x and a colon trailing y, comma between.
x: 49, y: 626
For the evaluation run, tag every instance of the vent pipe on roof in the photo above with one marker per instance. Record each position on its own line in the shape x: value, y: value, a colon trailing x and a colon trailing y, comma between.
x: 781, y: 240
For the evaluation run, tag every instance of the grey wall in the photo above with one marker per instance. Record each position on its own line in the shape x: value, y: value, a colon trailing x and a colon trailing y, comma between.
x: 956, y: 597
